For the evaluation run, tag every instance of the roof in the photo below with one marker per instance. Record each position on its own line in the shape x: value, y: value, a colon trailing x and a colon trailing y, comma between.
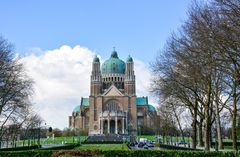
x: 151, y: 108
x: 85, y: 101
x: 141, y: 101
x: 112, y: 91
x: 76, y: 109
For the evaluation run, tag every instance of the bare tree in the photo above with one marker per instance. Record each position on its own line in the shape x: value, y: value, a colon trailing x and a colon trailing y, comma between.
x: 200, y: 65
x: 15, y: 88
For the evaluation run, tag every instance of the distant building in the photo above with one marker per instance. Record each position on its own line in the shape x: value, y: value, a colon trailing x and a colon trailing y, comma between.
x: 112, y: 107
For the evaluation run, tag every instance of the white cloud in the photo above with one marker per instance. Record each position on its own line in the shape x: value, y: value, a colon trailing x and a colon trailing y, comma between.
x: 62, y: 77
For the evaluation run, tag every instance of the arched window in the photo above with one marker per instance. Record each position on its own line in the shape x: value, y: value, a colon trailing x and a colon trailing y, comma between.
x: 112, y: 106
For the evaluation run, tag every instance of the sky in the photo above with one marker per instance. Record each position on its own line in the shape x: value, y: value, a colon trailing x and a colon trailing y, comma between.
x: 57, y: 40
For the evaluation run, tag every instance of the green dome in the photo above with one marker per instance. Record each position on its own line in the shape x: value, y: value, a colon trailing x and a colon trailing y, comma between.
x: 151, y: 108
x: 129, y: 59
x: 76, y: 109
x: 113, y: 65
x: 95, y: 59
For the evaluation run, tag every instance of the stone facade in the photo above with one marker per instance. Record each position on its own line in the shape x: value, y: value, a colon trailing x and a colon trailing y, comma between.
x: 112, y: 107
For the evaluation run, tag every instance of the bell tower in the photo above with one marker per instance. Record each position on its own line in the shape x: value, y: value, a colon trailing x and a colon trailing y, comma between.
x: 129, y: 78
x: 96, y: 78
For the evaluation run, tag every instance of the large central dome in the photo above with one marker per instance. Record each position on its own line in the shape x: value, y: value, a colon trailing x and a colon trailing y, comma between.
x: 113, y: 65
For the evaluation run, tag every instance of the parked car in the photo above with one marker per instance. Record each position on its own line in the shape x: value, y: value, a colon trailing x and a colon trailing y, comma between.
x: 141, y: 144
x: 150, y: 145
x: 182, y: 143
x: 145, y: 147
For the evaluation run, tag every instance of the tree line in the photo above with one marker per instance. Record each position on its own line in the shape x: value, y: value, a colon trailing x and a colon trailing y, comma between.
x: 198, y: 70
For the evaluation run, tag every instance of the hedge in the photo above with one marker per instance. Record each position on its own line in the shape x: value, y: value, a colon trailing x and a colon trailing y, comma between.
x: 102, y: 142
x: 119, y: 153
x: 171, y: 147
x: 167, y: 153
x: 32, y: 153
x: 20, y: 148
x: 228, y: 143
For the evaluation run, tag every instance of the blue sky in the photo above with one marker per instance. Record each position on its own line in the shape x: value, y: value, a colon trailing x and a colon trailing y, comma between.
x: 57, y: 40
x: 135, y: 27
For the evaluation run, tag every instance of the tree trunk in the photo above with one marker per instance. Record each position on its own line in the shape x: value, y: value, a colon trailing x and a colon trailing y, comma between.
x: 207, y: 119
x: 234, y: 118
x: 207, y: 130
x: 217, y: 118
x: 178, y: 122
x: 200, y: 133
x: 219, y: 131
x: 194, y: 126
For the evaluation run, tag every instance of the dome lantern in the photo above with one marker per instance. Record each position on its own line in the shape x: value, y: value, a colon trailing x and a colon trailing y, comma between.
x: 114, y: 53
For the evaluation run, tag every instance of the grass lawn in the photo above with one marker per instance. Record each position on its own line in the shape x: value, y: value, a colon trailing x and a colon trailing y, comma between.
x: 103, y: 147
x: 56, y: 140
x: 59, y: 140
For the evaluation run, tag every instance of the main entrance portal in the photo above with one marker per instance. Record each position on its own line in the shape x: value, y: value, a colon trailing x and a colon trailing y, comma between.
x: 112, y: 127
x: 113, y: 122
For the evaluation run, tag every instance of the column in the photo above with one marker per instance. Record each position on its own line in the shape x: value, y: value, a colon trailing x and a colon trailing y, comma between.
x: 127, y: 123
x: 101, y: 123
x: 108, y: 125
x: 123, y: 126
x: 83, y: 122
x: 100, y: 126
x: 116, y: 125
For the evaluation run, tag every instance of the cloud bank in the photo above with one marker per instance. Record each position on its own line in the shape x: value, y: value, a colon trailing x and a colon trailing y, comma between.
x: 62, y: 77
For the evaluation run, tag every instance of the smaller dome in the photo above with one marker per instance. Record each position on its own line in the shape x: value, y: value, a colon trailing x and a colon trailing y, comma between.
x: 151, y: 108
x: 95, y: 59
x: 129, y: 59
x: 76, y: 109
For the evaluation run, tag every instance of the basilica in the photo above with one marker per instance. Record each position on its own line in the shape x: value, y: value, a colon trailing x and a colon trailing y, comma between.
x: 112, y: 107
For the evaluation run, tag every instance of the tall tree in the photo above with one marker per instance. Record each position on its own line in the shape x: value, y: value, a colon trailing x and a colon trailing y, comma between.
x: 15, y: 88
